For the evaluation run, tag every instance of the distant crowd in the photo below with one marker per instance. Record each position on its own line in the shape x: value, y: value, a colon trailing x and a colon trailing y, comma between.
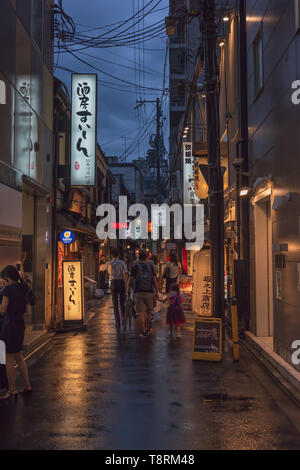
x: 134, y: 285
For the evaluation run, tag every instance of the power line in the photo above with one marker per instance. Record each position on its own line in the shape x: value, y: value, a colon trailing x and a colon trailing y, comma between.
x: 109, y: 74
x: 113, y: 41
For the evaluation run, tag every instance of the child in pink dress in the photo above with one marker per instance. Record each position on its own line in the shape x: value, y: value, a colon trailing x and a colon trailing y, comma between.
x: 175, y: 315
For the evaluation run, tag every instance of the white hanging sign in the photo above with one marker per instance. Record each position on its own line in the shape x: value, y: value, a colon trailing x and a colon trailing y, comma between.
x: 189, y: 194
x: 84, y: 130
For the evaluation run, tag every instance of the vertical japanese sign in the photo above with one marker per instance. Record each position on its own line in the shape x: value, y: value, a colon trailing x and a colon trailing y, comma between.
x: 26, y: 127
x: 206, y: 296
x: 73, y: 290
x: 84, y: 130
x: 189, y: 194
x: 203, y: 283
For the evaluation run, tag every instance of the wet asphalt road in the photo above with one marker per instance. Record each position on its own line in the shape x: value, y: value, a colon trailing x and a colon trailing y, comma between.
x: 98, y: 390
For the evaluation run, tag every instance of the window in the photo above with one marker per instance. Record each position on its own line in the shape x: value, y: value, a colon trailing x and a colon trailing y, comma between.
x: 37, y: 22
x: 258, y: 63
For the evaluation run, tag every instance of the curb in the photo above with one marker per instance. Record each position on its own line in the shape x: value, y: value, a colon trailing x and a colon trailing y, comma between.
x: 43, y: 338
x: 262, y: 359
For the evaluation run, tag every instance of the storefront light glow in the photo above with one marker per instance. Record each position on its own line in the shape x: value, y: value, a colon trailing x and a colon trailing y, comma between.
x: 244, y: 192
x: 73, y: 291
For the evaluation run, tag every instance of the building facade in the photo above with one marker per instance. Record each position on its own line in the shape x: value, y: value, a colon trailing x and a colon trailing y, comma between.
x: 273, y: 193
x: 132, y: 178
x: 273, y: 46
x: 26, y: 155
x: 178, y: 89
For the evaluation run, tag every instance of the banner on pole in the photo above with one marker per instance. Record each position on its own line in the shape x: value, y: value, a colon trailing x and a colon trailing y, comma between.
x: 189, y: 194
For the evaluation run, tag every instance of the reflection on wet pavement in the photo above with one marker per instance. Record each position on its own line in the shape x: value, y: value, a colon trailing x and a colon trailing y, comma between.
x: 101, y: 390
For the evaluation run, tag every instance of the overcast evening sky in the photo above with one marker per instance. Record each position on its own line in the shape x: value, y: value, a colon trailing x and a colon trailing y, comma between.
x: 116, y: 114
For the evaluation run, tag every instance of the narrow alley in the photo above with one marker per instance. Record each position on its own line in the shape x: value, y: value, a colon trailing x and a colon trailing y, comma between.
x: 101, y: 390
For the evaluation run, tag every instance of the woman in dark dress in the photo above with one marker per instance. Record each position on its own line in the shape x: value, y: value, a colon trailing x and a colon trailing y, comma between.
x: 14, y: 305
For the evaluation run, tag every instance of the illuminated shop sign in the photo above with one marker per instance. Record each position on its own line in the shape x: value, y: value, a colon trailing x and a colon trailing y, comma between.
x: 67, y: 237
x: 84, y: 126
x: 73, y: 290
x: 26, y: 127
x: 189, y: 194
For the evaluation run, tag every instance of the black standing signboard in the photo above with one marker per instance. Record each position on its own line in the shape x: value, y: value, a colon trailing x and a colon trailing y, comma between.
x: 207, y: 341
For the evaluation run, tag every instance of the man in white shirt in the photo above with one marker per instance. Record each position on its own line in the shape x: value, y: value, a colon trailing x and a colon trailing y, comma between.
x: 117, y: 271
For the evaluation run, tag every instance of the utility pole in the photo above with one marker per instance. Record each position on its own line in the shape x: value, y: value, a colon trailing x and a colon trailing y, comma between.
x: 157, y: 137
x: 158, y: 142
x: 215, y: 177
x: 243, y: 152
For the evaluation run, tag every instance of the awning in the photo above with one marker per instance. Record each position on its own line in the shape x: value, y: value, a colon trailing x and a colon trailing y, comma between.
x: 35, y: 187
x: 67, y: 222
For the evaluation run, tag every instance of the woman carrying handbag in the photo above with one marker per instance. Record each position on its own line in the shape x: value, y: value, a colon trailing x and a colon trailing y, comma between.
x: 171, y: 273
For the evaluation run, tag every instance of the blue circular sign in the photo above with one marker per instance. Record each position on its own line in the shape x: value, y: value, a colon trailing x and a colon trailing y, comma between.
x: 67, y: 237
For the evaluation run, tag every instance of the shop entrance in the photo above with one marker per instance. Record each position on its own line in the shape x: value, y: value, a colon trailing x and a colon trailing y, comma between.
x: 28, y: 241
x: 264, y: 268
x: 36, y: 251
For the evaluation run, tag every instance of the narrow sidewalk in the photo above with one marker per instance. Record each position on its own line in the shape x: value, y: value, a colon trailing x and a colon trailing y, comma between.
x: 280, y: 370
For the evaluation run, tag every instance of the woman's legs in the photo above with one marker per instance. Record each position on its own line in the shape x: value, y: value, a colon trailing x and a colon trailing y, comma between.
x: 23, y: 368
x: 10, y: 372
x: 178, y: 331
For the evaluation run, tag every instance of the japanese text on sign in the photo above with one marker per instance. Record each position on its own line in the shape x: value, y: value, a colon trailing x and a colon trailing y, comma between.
x: 189, y: 195
x: 72, y: 282
x: 206, y: 295
x: 84, y: 123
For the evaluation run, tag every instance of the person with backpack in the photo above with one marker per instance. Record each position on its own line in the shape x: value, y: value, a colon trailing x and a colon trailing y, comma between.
x: 143, y: 277
x: 14, y: 305
x: 117, y: 271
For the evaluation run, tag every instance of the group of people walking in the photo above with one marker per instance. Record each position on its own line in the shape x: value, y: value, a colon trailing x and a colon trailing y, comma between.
x: 137, y: 282
x: 141, y: 284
